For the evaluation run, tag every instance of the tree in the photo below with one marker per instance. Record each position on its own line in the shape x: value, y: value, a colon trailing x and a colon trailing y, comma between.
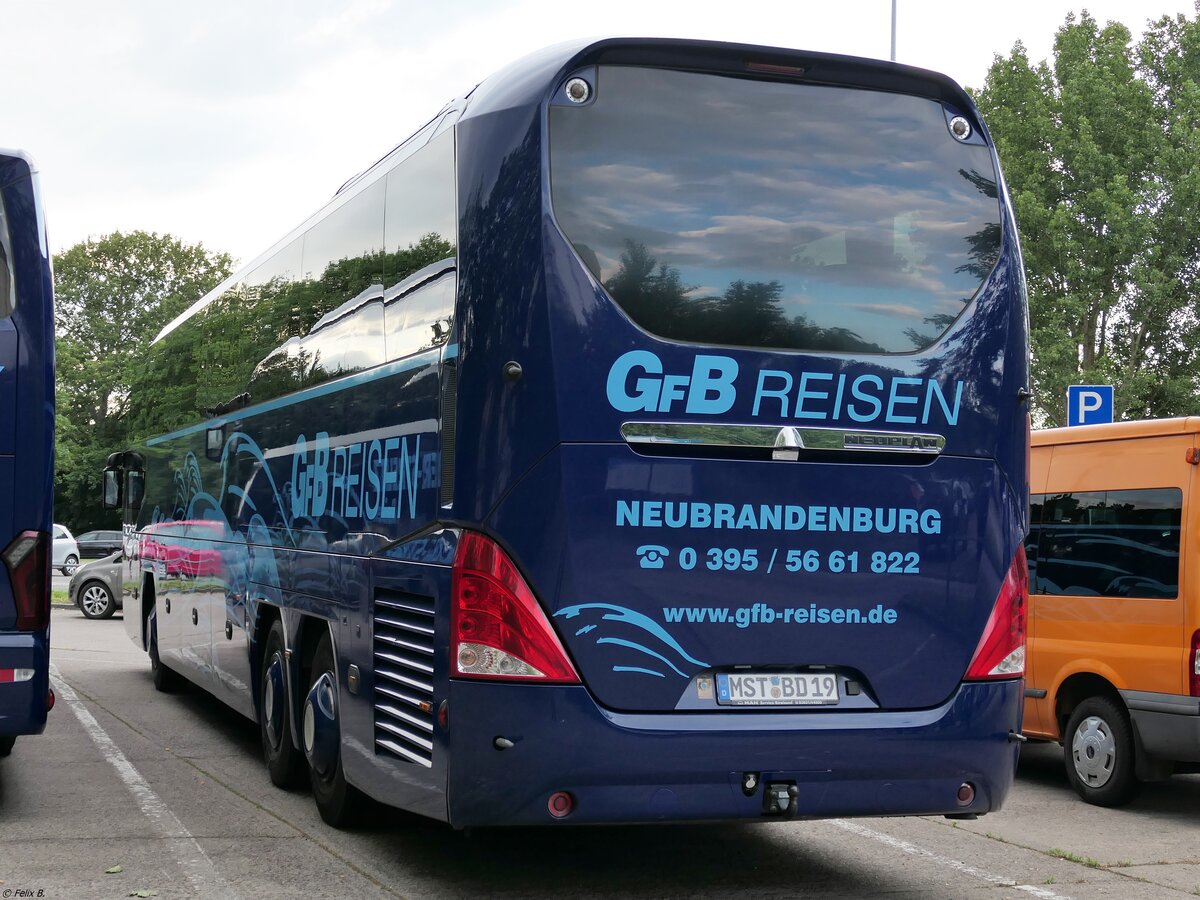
x: 112, y: 297
x: 1101, y: 156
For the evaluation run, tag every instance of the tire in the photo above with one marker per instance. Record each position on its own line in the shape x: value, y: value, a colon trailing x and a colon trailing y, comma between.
x: 70, y: 564
x: 339, y: 803
x: 285, y: 762
x: 165, y: 680
x: 1098, y: 751
x: 6, y: 745
x: 96, y: 601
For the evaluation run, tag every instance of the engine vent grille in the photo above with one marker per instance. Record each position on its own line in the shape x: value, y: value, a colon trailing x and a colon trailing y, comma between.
x: 404, y: 706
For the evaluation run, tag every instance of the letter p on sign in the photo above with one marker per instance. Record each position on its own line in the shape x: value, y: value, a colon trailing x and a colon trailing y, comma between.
x: 1089, y: 404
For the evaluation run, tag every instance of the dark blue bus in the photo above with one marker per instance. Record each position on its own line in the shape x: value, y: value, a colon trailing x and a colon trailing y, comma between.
x: 26, y: 452
x: 643, y: 439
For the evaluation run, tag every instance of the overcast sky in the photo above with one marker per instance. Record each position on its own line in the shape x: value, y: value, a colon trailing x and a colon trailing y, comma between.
x: 227, y: 123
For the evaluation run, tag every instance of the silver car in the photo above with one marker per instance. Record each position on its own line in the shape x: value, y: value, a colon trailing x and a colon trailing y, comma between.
x: 96, y: 587
x: 65, y: 550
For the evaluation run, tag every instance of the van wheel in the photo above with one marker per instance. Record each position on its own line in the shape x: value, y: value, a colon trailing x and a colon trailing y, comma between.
x: 1098, y: 752
x: 339, y: 803
x: 165, y: 680
x: 285, y: 763
x: 6, y: 744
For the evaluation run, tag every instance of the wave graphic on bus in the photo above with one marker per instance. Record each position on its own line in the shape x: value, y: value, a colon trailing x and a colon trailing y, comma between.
x: 247, y: 557
x: 615, y: 626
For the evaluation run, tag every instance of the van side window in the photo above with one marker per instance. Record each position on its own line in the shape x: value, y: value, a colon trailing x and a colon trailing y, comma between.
x: 1107, y: 543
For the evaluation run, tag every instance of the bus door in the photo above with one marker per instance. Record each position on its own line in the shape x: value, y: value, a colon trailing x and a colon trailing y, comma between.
x: 788, y: 364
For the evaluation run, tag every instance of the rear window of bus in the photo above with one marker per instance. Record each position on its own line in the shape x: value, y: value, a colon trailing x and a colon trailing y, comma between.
x: 731, y: 211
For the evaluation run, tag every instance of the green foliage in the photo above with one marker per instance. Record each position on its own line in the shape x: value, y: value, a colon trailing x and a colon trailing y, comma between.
x: 248, y: 339
x: 1102, y: 158
x: 112, y: 296
x: 746, y: 314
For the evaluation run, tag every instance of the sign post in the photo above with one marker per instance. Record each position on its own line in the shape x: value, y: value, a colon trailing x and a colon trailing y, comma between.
x: 1089, y: 404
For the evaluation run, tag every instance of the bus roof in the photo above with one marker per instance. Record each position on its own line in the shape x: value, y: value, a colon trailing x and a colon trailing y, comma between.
x: 526, y: 82
x: 1115, y: 431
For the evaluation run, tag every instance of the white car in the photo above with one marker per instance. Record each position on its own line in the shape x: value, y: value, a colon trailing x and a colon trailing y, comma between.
x: 66, y: 551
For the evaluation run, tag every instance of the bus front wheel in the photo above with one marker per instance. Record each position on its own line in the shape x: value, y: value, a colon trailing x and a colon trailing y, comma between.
x: 1098, y: 752
x: 165, y: 680
x: 339, y: 803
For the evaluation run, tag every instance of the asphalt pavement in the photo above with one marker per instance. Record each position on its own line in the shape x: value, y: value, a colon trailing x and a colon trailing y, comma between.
x: 131, y: 792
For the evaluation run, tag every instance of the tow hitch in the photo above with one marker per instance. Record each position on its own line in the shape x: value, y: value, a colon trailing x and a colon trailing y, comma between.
x: 779, y: 799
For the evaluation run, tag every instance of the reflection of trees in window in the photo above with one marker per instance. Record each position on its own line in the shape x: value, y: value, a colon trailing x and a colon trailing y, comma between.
x: 983, y: 252
x: 983, y: 246
x: 747, y: 313
x: 419, y: 309
x: 261, y: 338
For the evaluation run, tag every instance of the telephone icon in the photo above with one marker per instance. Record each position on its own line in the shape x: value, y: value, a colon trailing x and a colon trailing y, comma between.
x: 652, y: 555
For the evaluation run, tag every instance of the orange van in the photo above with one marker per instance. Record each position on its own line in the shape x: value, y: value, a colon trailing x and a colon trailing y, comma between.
x: 1114, y: 615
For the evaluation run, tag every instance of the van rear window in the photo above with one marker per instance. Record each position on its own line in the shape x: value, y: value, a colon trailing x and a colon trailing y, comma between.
x: 730, y: 211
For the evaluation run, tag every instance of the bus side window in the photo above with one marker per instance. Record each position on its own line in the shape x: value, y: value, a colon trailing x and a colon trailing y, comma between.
x: 421, y: 318
x: 420, y: 234
x: 347, y: 340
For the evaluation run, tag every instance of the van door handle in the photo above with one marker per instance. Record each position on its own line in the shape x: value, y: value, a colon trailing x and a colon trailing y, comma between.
x: 229, y: 631
x: 195, y: 617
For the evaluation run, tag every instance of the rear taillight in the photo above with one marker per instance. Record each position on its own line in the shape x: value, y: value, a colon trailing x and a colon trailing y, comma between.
x: 1001, y: 650
x: 497, y: 629
x: 1194, y: 668
x: 28, y: 562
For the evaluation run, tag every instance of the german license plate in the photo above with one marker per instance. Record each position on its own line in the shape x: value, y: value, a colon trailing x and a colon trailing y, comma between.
x: 777, y: 689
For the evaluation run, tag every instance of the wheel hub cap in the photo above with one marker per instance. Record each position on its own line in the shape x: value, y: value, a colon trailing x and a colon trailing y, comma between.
x: 95, y: 601
x: 273, y: 700
x: 1094, y: 751
x: 321, y: 725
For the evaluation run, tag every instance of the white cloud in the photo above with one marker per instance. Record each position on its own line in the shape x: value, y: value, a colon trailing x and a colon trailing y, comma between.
x: 229, y: 122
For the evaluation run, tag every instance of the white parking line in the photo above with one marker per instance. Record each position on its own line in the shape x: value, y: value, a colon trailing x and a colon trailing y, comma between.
x: 189, y: 855
x: 957, y: 865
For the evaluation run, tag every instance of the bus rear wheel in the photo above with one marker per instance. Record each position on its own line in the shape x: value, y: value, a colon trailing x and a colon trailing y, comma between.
x: 1098, y: 752
x: 338, y: 803
x: 284, y: 762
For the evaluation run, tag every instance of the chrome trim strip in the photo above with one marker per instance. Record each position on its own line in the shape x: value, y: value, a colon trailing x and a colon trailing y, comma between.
x: 404, y: 752
x: 785, y: 441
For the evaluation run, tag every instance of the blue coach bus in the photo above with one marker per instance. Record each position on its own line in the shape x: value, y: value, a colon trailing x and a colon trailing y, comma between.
x: 26, y: 452
x: 643, y: 439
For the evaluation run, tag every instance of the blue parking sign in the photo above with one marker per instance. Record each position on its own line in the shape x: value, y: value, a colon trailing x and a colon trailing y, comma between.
x: 1089, y: 404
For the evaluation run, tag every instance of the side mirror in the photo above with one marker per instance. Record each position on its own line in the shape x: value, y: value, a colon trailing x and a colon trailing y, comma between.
x: 214, y: 442
x: 112, y: 489
x: 135, y: 488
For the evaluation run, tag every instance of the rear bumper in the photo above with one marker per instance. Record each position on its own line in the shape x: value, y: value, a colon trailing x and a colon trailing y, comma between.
x: 1168, y: 725
x: 668, y: 767
x: 23, y: 703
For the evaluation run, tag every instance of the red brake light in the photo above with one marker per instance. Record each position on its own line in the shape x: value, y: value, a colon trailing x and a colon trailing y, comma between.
x: 497, y: 629
x: 1001, y: 650
x: 28, y: 562
x: 1194, y: 669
